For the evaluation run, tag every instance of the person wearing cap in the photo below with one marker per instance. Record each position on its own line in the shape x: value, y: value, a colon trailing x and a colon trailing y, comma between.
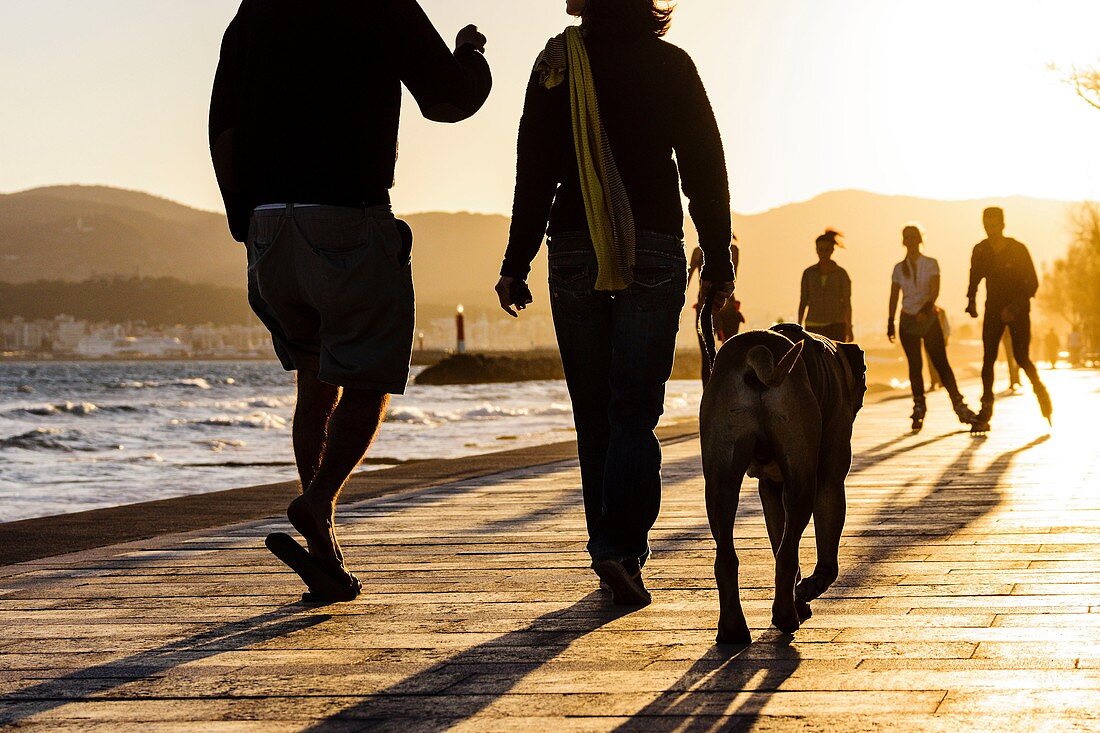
x: 825, y: 306
x: 916, y: 282
x: 1010, y: 283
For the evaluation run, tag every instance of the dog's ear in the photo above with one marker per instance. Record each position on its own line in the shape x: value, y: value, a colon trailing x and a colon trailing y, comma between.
x: 785, y: 366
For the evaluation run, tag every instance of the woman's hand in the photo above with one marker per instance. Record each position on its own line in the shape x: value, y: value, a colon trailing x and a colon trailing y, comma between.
x: 513, y: 294
x: 723, y: 291
x: 891, y: 330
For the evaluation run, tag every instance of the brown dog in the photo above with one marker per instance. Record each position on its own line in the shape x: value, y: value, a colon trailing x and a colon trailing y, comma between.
x: 780, y: 406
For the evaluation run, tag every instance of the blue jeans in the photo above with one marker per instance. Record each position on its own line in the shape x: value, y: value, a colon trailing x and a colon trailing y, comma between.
x: 617, y: 350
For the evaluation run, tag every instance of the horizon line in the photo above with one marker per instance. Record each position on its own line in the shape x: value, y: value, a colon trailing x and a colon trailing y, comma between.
x: 733, y: 211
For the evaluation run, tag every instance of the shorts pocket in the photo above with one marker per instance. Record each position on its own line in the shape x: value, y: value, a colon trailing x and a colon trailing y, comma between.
x: 399, y: 241
x: 345, y: 259
x: 262, y: 233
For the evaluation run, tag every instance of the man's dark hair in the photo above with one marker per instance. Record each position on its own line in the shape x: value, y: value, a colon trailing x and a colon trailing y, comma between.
x: 628, y: 16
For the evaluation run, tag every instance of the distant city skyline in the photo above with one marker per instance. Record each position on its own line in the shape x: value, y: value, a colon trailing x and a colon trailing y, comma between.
x: 947, y: 100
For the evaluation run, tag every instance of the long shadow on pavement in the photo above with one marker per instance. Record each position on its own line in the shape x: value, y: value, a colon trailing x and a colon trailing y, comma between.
x: 706, y: 697
x: 473, y: 679
x: 91, y: 682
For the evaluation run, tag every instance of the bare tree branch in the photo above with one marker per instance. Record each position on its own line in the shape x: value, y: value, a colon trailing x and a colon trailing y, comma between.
x: 1085, y: 82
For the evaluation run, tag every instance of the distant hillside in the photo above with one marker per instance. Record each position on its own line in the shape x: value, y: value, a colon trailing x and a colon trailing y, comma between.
x: 77, y: 232
x: 162, y: 301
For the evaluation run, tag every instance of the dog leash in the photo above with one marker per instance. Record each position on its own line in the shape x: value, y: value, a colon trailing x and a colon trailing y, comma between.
x: 704, y: 326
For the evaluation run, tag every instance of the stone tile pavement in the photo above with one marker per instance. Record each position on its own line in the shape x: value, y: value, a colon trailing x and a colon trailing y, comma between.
x: 969, y: 599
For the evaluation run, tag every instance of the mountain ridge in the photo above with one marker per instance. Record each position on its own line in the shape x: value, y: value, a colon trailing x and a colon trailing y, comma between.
x: 79, y: 232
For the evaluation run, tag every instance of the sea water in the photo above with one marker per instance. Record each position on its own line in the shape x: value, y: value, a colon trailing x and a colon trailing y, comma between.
x: 84, y: 435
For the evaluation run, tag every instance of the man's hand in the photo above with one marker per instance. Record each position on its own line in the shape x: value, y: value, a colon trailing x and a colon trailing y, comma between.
x: 472, y: 37
x: 723, y: 291
x: 972, y: 309
x: 512, y: 292
x: 891, y: 330
x: 849, y: 334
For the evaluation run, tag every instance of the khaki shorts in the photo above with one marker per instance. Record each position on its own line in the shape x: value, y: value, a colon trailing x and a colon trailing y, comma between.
x: 334, y: 287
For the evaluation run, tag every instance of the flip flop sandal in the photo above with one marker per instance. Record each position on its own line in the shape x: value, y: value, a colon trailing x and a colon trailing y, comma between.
x: 325, y: 584
x: 303, y: 520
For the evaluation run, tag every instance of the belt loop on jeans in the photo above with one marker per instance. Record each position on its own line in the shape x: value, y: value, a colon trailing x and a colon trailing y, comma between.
x: 290, y: 210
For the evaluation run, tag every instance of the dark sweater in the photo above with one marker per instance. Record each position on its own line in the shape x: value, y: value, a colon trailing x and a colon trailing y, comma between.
x: 653, y: 104
x: 1010, y: 277
x: 307, y: 99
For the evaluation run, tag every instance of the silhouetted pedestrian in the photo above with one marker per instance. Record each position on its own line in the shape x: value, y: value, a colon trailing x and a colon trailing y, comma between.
x: 825, y: 306
x: 608, y: 105
x: 303, y: 132
x: 1052, y: 348
x: 1010, y: 284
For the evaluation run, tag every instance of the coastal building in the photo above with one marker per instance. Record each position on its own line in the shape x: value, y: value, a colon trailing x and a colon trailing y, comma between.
x: 68, y: 333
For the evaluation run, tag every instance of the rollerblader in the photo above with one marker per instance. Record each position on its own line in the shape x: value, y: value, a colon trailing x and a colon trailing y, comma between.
x: 916, y: 282
x: 1010, y: 283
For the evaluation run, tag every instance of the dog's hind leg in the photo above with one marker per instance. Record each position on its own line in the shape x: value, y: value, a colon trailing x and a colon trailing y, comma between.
x: 723, y: 475
x: 829, y: 513
x: 771, y: 499
x: 799, y: 487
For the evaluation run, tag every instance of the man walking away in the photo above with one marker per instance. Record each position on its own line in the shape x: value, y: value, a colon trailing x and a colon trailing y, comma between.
x: 1051, y: 347
x: 825, y: 305
x: 1010, y: 284
x: 303, y: 133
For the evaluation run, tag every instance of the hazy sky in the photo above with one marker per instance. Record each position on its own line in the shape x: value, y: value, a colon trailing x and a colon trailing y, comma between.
x: 938, y: 98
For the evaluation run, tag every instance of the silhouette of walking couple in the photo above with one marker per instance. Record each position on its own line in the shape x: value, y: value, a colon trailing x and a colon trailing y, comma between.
x: 303, y: 134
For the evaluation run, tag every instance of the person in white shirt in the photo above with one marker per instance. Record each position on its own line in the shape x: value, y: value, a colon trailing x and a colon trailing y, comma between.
x: 916, y: 281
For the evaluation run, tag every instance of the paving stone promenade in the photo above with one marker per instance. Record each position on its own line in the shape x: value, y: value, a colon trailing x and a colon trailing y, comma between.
x: 969, y: 599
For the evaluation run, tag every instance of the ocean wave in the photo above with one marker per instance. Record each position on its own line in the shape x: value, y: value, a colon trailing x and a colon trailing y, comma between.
x: 488, y: 412
x: 418, y: 416
x: 49, y: 439
x: 79, y: 409
x: 190, y: 383
x: 62, y: 408
x: 218, y: 446
x: 263, y: 403
x: 256, y: 420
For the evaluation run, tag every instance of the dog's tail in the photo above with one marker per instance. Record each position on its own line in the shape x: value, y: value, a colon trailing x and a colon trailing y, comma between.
x: 762, y: 362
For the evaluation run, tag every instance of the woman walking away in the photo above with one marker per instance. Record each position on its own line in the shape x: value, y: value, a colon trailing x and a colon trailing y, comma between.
x: 825, y: 306
x: 917, y: 280
x: 608, y: 105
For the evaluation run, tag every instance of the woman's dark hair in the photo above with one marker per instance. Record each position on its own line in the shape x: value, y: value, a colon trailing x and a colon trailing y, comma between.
x: 831, y: 236
x: 628, y: 16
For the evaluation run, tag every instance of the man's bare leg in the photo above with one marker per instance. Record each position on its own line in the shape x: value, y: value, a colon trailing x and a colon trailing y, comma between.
x: 316, y: 401
x: 352, y: 428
